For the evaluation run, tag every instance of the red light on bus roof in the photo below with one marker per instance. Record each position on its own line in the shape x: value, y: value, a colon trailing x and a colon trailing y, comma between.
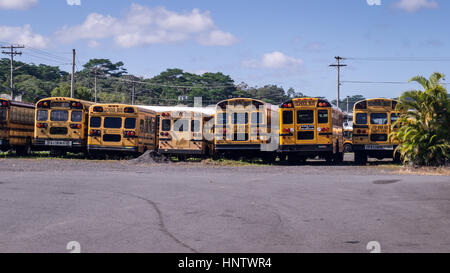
x: 98, y: 109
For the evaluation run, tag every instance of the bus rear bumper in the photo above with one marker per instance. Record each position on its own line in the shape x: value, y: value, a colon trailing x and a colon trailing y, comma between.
x: 58, y: 144
x: 235, y: 147
x: 180, y: 152
x: 376, y: 151
x: 306, y: 148
x: 95, y: 148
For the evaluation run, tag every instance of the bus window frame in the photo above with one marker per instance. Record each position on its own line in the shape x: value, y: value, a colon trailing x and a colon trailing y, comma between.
x: 38, y: 117
x: 298, y: 117
x: 371, y: 119
x: 93, y: 126
x: 319, y: 118
x: 59, y: 111
x: 112, y: 118
x: 193, y: 127
x: 291, y: 117
x: 79, y: 112
x: 356, y: 119
x: 183, y: 122
x: 128, y: 127
x: 166, y: 129
x: 235, y: 118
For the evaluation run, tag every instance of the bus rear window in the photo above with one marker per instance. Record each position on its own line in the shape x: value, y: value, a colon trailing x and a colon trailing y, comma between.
x: 288, y: 117
x: 166, y: 124
x: 59, y: 115
x: 130, y: 123
x: 77, y: 116
x: 361, y: 118
x: 394, y: 118
x: 257, y: 118
x: 42, y: 115
x: 195, y: 126
x: 112, y: 123
x: 323, y: 116
x: 181, y: 125
x: 96, y: 122
x: 379, y: 118
x: 222, y: 118
x: 305, y: 117
x: 3, y: 114
x: 240, y: 118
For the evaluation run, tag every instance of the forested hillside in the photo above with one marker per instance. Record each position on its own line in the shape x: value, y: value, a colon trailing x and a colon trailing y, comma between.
x: 114, y: 84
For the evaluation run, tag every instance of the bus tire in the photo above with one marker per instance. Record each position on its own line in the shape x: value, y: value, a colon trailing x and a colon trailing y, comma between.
x: 348, y: 148
x: 24, y: 150
x: 360, y: 158
x: 339, y: 158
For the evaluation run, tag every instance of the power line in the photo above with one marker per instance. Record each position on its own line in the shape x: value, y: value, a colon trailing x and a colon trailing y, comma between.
x: 382, y: 82
x: 400, y: 59
x: 176, y: 86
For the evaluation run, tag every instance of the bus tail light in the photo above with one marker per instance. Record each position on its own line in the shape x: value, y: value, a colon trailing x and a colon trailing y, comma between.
x: 129, y: 110
x: 95, y: 133
x: 4, y: 104
x: 42, y: 125
x: 98, y: 109
x: 75, y: 126
x: 129, y: 134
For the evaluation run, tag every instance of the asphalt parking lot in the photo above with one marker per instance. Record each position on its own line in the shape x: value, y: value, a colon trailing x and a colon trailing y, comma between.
x: 117, y: 206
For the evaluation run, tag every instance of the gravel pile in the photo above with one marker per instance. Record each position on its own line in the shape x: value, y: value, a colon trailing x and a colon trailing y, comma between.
x: 150, y: 157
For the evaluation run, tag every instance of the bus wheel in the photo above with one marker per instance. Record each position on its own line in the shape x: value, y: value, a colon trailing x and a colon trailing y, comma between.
x: 339, y: 158
x: 360, y: 158
x: 23, y: 150
x: 348, y: 148
x: 397, y: 158
x: 269, y: 158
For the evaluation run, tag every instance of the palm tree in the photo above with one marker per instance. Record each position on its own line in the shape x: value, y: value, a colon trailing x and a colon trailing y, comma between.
x: 424, y: 132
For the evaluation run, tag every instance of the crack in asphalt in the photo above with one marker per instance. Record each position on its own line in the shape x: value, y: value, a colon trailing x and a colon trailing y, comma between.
x: 161, y: 223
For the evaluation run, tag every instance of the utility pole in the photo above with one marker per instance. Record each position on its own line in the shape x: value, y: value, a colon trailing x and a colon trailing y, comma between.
x: 95, y: 85
x: 338, y: 65
x: 72, y: 82
x: 133, y: 94
x: 13, y: 52
x: 348, y: 97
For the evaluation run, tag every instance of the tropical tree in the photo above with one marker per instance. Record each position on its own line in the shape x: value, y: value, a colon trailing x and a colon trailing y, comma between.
x: 424, y: 126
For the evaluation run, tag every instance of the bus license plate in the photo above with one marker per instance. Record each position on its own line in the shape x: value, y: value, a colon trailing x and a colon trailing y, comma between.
x: 379, y: 147
x: 58, y: 143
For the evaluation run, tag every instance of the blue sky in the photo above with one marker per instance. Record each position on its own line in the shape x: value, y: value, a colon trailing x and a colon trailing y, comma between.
x: 287, y: 42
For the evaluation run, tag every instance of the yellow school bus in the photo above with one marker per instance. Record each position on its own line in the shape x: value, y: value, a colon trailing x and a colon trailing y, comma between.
x: 16, y: 126
x: 186, y: 133
x: 61, y: 125
x: 121, y: 129
x: 245, y: 127
x: 372, y: 125
x: 348, y: 140
x: 310, y: 128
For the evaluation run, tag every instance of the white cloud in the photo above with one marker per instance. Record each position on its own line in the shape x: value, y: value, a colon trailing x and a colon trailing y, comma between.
x: 142, y: 26
x: 93, y: 44
x: 415, y: 5
x: 74, y: 2
x: 274, y: 60
x: 23, y: 35
x: 17, y: 4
